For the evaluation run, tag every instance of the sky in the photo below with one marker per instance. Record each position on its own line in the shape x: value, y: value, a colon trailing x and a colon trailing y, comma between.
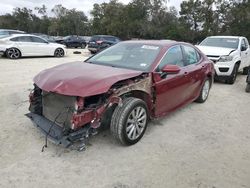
x: 6, y: 6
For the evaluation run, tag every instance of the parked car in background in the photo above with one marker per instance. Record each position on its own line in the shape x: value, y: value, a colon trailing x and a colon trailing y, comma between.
x: 21, y: 45
x: 46, y: 37
x: 100, y: 42
x: 86, y: 38
x: 6, y: 32
x: 248, y: 82
x: 230, y: 54
x: 123, y: 87
x: 72, y: 41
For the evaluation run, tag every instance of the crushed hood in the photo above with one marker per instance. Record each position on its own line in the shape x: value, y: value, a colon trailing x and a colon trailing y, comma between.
x: 215, y: 51
x: 81, y: 79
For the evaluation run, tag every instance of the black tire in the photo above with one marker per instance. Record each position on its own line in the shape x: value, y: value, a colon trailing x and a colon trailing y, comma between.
x: 233, y: 75
x: 204, y: 93
x: 121, y: 119
x: 245, y: 70
x: 83, y: 46
x: 13, y: 53
x: 248, y: 88
x: 59, y: 52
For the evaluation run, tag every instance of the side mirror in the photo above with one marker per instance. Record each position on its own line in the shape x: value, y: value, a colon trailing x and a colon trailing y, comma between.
x: 171, y: 69
x: 243, y: 48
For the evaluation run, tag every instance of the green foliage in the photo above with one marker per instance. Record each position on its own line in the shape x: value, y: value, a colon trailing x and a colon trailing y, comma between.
x: 148, y: 19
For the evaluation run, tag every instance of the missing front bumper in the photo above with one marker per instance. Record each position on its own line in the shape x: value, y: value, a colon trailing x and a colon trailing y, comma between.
x: 56, y: 133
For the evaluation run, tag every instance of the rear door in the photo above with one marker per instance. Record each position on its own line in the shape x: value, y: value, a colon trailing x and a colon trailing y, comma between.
x: 196, y: 71
x: 171, y: 89
x: 26, y: 45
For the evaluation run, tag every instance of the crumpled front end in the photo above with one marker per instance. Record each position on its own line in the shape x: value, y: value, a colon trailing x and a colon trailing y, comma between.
x: 64, y: 119
x: 67, y: 119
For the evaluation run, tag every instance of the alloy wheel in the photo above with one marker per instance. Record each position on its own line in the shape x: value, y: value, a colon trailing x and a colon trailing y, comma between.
x: 136, y: 123
x: 205, y: 90
x: 13, y: 53
x: 59, y: 52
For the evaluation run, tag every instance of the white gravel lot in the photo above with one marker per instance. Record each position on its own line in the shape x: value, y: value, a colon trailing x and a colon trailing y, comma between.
x: 200, y: 146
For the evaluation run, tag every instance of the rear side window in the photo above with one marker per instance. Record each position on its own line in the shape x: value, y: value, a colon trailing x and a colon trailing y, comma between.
x: 191, y: 55
x: 24, y: 39
x: 38, y: 40
x: 95, y: 38
x: 173, y: 57
x: 110, y: 39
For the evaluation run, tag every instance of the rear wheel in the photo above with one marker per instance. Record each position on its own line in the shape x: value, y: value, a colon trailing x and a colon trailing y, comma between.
x: 248, y: 88
x: 59, y: 52
x: 233, y: 76
x: 83, y: 46
x: 204, y: 92
x: 129, y: 121
x: 13, y: 53
x: 245, y: 70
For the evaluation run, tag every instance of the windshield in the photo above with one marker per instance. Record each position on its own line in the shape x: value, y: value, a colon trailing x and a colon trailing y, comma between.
x: 128, y: 55
x: 221, y: 42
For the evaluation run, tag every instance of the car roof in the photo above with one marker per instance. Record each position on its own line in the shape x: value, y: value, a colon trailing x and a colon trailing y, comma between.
x: 233, y: 37
x: 12, y: 30
x: 104, y: 36
x: 20, y: 35
x: 154, y: 42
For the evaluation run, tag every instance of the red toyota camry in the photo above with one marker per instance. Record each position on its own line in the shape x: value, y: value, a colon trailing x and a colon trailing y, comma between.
x: 122, y: 87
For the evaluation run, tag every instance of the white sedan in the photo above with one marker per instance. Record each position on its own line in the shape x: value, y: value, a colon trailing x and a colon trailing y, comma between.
x: 23, y: 45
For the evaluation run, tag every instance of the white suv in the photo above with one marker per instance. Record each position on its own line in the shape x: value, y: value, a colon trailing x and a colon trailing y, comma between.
x: 230, y: 54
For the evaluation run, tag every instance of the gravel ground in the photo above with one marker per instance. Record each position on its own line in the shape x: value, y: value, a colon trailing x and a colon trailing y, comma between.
x: 200, y: 146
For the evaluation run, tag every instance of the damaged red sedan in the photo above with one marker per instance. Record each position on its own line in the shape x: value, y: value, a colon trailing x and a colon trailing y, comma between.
x: 122, y: 87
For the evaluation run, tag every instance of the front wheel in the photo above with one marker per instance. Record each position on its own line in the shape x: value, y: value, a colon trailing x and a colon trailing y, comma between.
x: 59, y: 52
x: 129, y: 121
x: 13, y: 53
x: 248, y: 88
x: 204, y: 92
x: 233, y: 76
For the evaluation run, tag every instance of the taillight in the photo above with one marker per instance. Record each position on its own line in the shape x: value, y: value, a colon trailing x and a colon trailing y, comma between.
x: 99, y: 42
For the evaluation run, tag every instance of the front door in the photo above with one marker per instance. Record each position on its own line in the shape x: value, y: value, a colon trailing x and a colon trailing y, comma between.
x: 170, y: 89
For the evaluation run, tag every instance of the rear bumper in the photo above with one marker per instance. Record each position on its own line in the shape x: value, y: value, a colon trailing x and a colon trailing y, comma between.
x: 56, y: 133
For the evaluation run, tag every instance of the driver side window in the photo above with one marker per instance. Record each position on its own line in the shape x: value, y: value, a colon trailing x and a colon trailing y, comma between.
x: 173, y: 57
x: 244, y: 45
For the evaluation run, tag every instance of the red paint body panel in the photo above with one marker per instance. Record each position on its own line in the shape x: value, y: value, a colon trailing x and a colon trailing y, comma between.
x: 81, y: 79
x: 168, y: 94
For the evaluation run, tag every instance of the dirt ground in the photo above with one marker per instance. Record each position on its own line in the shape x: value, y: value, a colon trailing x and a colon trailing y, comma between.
x: 200, y: 146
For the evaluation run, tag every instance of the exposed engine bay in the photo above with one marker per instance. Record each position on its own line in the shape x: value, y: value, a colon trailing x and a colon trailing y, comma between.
x: 67, y: 120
